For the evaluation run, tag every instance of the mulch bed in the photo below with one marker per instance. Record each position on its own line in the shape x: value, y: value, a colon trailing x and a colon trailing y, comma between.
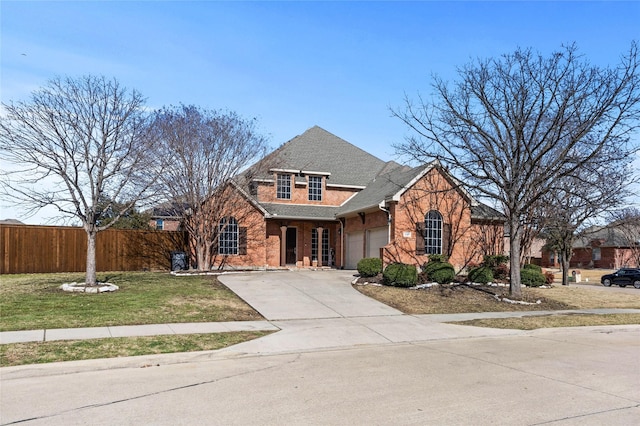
x: 455, y: 298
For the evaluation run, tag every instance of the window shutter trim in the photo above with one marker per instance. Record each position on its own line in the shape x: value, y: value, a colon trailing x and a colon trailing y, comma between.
x: 420, y: 230
x: 242, y: 240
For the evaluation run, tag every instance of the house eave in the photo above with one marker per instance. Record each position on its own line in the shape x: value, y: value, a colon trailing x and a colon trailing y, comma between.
x: 308, y: 218
x: 338, y: 185
x: 489, y: 218
x: 367, y: 209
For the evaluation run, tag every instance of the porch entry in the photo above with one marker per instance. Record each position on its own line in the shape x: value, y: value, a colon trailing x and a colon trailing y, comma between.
x: 291, y: 246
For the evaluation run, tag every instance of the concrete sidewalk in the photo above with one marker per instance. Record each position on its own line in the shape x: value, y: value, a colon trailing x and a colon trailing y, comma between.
x: 340, y: 330
x: 132, y: 331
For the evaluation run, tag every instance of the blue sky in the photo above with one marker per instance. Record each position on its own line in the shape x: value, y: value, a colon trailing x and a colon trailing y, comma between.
x: 292, y: 65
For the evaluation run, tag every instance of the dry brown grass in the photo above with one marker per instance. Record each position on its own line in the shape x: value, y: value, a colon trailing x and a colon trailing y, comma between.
x: 588, y: 276
x: 462, y: 298
x: 548, y: 321
x: 455, y: 299
x: 579, y: 297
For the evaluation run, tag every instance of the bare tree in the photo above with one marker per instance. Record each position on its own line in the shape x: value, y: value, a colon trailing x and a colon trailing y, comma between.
x: 208, y: 150
x: 573, y: 202
x: 76, y: 143
x: 627, y: 224
x: 513, y: 125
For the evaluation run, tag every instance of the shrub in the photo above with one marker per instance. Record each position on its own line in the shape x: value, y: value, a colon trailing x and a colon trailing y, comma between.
x: 549, y: 277
x: 500, y: 272
x: 482, y: 274
x: 438, y: 258
x: 370, y: 266
x: 495, y: 260
x: 532, y: 267
x: 531, y: 277
x: 438, y: 271
x: 400, y: 275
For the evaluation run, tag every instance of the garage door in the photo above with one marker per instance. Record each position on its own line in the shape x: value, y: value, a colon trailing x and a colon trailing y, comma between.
x: 355, y: 240
x: 376, y: 238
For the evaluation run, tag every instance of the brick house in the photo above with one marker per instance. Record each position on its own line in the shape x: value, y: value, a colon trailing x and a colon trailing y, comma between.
x: 608, y: 247
x: 165, y: 217
x: 329, y: 203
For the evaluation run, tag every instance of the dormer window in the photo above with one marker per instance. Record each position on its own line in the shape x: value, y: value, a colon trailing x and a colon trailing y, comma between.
x: 283, y: 187
x: 315, y: 188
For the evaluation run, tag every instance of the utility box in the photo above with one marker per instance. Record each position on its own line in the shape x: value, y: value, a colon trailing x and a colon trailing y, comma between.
x: 576, y: 276
x: 179, y: 261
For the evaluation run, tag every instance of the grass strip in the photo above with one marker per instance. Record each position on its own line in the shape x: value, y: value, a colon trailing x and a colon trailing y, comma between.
x: 72, y: 350
x: 551, y: 321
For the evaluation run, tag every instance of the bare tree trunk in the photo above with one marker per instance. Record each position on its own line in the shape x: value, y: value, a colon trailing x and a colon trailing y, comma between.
x: 200, y: 257
x: 203, y: 256
x: 564, y: 264
x: 515, y: 288
x: 91, y: 278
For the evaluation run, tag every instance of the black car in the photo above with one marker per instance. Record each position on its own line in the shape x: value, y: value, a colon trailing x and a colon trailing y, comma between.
x: 622, y: 277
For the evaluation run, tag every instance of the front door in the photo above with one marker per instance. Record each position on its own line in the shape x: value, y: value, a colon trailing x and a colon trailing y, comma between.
x: 291, y: 245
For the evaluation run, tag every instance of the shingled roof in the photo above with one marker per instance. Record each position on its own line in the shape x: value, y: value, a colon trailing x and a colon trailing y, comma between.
x: 297, y: 211
x: 380, y: 188
x: 389, y: 185
x: 320, y: 151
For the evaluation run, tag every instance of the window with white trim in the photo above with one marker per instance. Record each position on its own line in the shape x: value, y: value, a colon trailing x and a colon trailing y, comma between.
x: 433, y: 233
x: 228, y: 236
x: 315, y: 188
x: 283, y: 187
x: 159, y: 224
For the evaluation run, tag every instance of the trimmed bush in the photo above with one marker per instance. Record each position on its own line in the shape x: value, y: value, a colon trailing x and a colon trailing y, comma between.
x: 440, y: 272
x: 400, y: 275
x: 482, y: 275
x: 532, y: 267
x: 532, y: 278
x: 444, y: 274
x: 370, y: 266
x: 438, y: 258
x: 495, y: 260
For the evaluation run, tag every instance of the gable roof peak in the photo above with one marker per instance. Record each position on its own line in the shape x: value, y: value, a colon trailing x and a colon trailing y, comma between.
x: 321, y: 151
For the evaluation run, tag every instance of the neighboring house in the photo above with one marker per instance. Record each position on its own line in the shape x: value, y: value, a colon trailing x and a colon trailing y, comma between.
x: 533, y: 254
x: 165, y: 217
x: 326, y: 202
x: 11, y: 222
x: 609, y: 247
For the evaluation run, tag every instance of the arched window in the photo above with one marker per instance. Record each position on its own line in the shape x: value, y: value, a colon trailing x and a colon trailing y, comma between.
x: 433, y: 232
x: 228, y: 236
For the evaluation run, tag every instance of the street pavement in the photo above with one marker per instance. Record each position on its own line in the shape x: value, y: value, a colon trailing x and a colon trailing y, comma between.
x: 341, y: 358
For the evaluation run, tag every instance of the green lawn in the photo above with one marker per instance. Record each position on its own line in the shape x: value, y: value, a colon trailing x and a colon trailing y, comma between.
x: 35, y: 301
x: 42, y: 352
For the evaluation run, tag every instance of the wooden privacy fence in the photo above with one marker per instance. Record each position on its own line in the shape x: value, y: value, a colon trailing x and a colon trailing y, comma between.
x: 35, y: 249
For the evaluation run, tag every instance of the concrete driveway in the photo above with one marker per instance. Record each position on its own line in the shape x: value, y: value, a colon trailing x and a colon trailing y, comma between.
x: 291, y: 295
x: 321, y: 310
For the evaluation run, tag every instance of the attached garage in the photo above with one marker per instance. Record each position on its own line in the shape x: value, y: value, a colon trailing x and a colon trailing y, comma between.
x: 354, y: 249
x: 376, y: 239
